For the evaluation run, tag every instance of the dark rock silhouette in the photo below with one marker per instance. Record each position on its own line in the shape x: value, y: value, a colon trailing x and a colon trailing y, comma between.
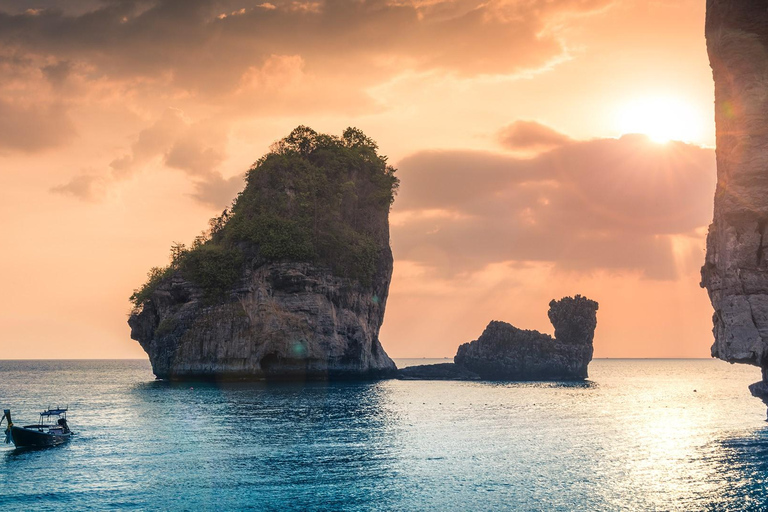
x: 440, y: 371
x: 504, y: 352
x: 735, y: 272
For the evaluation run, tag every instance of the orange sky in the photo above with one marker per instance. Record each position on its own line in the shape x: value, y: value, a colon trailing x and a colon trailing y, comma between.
x: 125, y: 125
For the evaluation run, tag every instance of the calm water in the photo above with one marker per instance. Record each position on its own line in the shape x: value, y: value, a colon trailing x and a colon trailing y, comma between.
x: 640, y: 435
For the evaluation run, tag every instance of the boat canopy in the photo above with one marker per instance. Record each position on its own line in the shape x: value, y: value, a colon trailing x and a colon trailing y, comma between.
x: 54, y: 412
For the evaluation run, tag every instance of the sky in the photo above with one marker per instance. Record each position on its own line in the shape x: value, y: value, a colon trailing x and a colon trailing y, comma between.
x: 545, y: 148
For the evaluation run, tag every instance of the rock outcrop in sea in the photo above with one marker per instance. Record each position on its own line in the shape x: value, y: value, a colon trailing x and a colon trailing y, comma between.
x: 735, y: 272
x: 439, y: 371
x: 504, y: 352
x: 291, y: 282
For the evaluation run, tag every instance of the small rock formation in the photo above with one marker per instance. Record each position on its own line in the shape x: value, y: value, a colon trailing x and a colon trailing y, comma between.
x: 504, y: 352
x: 735, y: 272
x: 440, y: 371
x: 292, y: 283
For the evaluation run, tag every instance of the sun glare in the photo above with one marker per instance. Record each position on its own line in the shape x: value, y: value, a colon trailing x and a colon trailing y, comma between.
x: 661, y: 119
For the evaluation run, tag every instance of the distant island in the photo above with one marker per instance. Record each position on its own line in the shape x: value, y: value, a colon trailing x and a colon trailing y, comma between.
x: 291, y: 281
x: 504, y: 352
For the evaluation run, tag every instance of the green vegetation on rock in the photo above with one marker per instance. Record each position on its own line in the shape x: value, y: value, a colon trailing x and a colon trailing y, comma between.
x: 313, y: 197
x: 155, y: 276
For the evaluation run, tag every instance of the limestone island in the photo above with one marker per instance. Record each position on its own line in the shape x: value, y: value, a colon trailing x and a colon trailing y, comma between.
x: 735, y: 272
x: 504, y: 352
x: 289, y: 282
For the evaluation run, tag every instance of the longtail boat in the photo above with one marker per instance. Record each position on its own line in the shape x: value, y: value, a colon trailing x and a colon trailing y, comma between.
x: 45, y: 433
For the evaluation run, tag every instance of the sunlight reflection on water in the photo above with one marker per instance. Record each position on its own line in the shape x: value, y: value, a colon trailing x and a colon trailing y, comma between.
x: 636, y: 436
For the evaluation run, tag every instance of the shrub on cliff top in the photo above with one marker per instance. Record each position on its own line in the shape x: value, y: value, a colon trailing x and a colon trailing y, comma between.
x: 313, y: 197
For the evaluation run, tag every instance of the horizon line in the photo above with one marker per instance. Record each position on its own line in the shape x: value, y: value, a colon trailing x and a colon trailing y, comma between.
x: 420, y: 357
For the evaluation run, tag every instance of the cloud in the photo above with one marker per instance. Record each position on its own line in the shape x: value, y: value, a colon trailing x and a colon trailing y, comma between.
x: 87, y: 186
x: 57, y: 73
x: 624, y: 204
x: 197, y: 149
x: 33, y: 127
x: 70, y: 7
x: 33, y: 117
x: 217, y: 191
x: 152, y: 141
x: 193, y: 156
x: 231, y: 60
x: 530, y: 135
x: 206, y: 46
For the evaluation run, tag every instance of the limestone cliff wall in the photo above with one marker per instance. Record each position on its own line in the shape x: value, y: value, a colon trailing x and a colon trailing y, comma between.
x: 284, y: 320
x: 735, y: 272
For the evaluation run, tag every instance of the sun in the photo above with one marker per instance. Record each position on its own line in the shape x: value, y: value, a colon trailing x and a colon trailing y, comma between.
x: 662, y: 119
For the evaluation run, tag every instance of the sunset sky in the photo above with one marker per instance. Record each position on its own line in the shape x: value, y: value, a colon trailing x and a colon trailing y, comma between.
x: 537, y: 143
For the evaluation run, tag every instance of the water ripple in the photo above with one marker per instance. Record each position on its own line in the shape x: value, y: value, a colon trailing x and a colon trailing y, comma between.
x: 639, y: 435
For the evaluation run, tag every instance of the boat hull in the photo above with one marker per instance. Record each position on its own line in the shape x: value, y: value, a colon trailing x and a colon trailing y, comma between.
x: 24, y: 438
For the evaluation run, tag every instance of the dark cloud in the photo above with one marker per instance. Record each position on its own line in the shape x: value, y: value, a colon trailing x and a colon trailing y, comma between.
x: 31, y: 118
x: 57, y: 73
x: 230, y: 58
x: 606, y: 203
x: 206, y: 46
x: 530, y: 135
x: 71, y: 7
x: 33, y: 127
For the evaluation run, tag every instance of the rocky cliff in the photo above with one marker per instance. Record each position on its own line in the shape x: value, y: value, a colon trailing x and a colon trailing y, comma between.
x: 504, y: 352
x: 735, y: 272
x: 291, y: 282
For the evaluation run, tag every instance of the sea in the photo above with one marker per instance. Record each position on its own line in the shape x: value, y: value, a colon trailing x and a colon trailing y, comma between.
x: 638, y: 435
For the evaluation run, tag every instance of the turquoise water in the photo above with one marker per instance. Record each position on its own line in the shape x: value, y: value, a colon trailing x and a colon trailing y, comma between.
x: 639, y: 435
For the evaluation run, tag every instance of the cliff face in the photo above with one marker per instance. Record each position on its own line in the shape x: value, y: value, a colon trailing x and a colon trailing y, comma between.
x: 735, y: 272
x: 504, y: 352
x: 286, y: 320
x: 292, y: 283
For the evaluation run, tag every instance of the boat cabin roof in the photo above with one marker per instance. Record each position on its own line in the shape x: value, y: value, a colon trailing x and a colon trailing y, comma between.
x: 54, y: 412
